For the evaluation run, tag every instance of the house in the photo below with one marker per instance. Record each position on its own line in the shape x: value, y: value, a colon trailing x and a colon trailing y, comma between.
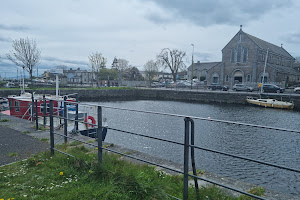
x: 243, y: 61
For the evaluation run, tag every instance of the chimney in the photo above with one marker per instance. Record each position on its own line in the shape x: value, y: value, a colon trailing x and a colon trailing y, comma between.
x: 241, y: 27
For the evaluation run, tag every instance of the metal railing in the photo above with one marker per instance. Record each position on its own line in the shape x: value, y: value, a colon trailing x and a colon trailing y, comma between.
x: 188, y: 144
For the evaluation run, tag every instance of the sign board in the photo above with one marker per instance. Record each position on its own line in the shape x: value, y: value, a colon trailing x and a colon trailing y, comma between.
x: 56, y: 71
x: 259, y: 85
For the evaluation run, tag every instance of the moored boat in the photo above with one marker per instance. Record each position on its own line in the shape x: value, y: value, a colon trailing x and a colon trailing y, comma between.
x: 270, y: 103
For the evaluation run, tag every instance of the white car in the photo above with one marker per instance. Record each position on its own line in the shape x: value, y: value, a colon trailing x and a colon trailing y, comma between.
x: 297, y: 90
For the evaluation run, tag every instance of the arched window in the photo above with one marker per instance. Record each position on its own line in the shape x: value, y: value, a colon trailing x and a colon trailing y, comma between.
x: 249, y: 78
x: 232, y: 55
x: 239, y: 53
x: 215, y: 78
x: 226, y: 78
x: 245, y: 56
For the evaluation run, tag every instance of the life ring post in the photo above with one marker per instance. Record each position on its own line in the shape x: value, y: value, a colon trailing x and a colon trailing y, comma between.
x: 87, y: 122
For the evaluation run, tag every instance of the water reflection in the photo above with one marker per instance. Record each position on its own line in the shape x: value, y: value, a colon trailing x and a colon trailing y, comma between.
x: 267, y: 145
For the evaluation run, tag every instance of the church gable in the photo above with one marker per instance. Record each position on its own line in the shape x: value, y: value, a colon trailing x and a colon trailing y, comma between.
x: 240, y: 50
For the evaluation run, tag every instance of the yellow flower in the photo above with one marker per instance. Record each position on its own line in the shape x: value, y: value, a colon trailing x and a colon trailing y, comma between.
x: 96, y: 148
x: 61, y: 173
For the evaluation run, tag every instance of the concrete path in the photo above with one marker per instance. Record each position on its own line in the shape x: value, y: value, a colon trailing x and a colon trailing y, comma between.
x: 15, y: 143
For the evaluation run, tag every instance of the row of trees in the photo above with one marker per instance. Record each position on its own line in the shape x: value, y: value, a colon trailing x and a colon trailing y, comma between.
x: 26, y: 55
x: 167, y: 59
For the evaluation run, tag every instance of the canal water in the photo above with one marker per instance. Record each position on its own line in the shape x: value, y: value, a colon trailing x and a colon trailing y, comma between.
x: 279, y: 147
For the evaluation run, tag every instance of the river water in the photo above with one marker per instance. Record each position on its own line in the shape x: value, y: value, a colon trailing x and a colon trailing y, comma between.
x: 279, y: 147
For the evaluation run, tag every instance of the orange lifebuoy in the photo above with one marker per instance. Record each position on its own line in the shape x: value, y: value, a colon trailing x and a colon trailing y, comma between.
x: 87, y: 124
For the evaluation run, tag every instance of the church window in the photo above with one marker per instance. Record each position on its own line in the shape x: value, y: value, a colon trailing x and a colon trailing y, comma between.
x: 245, y: 57
x: 263, y: 57
x: 232, y: 56
x: 249, y: 78
x: 239, y: 53
x: 226, y: 78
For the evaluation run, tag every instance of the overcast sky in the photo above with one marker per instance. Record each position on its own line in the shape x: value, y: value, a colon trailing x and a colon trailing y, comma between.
x: 68, y: 31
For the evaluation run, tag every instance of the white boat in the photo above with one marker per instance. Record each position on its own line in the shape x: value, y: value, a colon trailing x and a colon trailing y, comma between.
x: 270, y: 103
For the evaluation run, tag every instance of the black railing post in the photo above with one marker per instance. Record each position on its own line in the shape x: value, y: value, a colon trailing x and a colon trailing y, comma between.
x: 36, y: 115
x: 193, y: 158
x: 99, y: 133
x: 65, y: 119
x: 51, y: 128
x: 186, y: 159
x: 44, y: 111
x: 32, y: 106
x: 76, y: 116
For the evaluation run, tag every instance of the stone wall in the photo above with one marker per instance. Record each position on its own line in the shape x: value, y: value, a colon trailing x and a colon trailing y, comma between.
x: 154, y: 94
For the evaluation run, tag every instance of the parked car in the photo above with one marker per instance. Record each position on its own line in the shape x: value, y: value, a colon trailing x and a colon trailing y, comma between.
x: 272, y: 88
x: 297, y: 90
x: 242, y: 87
x: 216, y: 86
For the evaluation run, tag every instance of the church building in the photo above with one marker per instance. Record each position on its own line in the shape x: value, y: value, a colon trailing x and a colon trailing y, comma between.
x: 243, y: 61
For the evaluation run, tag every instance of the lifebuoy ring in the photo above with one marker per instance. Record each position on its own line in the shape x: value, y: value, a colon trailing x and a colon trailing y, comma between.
x: 86, y: 120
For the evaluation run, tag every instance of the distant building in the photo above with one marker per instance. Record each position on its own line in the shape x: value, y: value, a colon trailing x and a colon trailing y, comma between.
x: 243, y: 60
x: 78, y: 76
x: 72, y: 76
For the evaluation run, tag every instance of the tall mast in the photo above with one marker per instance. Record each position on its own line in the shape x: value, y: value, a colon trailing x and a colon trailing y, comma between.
x: 263, y: 78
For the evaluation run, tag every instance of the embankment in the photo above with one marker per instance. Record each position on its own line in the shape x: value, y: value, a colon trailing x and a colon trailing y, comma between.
x: 163, y: 94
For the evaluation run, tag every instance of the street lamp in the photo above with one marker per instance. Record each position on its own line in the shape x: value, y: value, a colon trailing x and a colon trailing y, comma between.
x: 192, y: 66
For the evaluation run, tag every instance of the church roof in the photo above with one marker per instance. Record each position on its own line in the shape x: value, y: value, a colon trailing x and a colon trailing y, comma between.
x: 201, y: 66
x: 266, y: 45
x: 284, y: 69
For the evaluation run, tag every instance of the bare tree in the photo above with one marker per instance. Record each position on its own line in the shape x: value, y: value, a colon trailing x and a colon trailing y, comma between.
x: 122, y: 64
x: 25, y: 54
x: 171, y: 59
x: 151, y: 70
x: 97, y: 61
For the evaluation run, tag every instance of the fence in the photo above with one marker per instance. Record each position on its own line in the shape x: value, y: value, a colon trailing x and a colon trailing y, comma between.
x: 188, y: 144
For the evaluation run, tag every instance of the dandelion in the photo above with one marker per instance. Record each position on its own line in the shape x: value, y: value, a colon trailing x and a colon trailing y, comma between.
x: 96, y: 148
x: 61, y: 173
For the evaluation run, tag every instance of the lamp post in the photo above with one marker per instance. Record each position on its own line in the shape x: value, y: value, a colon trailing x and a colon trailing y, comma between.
x: 192, y: 67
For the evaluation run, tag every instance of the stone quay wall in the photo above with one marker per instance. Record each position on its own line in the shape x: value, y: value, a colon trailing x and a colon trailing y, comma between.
x: 161, y: 94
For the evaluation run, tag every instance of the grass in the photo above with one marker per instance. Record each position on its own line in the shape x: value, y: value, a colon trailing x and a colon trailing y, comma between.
x: 46, y: 177
x: 13, y: 154
x: 75, y: 143
x: 26, y: 132
x: 44, y: 139
x: 4, y: 120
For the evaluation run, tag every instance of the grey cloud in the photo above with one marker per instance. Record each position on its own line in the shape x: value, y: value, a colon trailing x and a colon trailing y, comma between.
x: 206, y: 13
x: 157, y: 18
x: 74, y: 62
x: 203, y: 56
x: 5, y: 39
x: 293, y: 38
x: 13, y: 28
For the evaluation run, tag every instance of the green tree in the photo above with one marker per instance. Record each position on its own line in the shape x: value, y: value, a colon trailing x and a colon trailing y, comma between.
x: 105, y: 74
x: 132, y: 74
